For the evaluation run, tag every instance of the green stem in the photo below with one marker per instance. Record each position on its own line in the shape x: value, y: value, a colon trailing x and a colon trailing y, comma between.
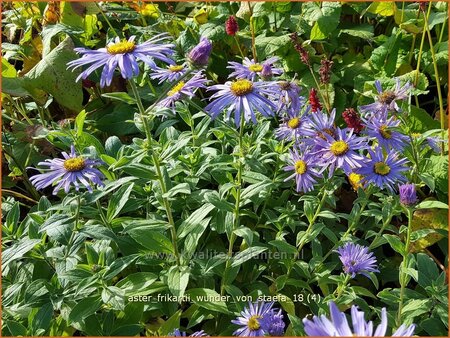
x: 404, y: 266
x: 239, y: 46
x: 341, y: 289
x: 252, y: 30
x: 436, y: 74
x: 237, y: 203
x: 106, y: 19
x: 327, y: 104
x: 155, y: 158
x: 75, y: 228
x: 102, y: 214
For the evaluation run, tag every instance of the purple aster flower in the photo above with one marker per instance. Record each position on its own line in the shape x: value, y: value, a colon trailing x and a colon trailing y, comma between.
x: 338, y: 326
x: 341, y: 151
x: 383, y: 129
x: 249, y: 69
x: 170, y: 74
x: 199, y: 55
x: 67, y: 171
x: 304, y: 170
x: 123, y: 54
x: 273, y: 323
x: 251, y: 319
x: 322, y: 124
x: 183, y: 89
x: 294, y: 126
x: 435, y: 143
x: 290, y: 96
x: 386, y: 99
x: 242, y: 96
x: 178, y: 333
x: 357, y: 259
x: 408, y: 195
x: 383, y: 171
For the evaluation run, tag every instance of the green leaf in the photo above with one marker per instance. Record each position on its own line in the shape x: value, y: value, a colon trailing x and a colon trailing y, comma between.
x: 386, y: 8
x: 120, y: 96
x: 245, y: 233
x: 83, y: 309
x: 327, y: 19
x: 364, y: 31
x: 283, y: 246
x: 208, y: 299
x: 395, y: 243
x: 416, y: 307
x: 154, y: 241
x: 214, y: 30
x: 431, y: 205
x: 137, y: 283
x: 15, y: 328
x: 420, y: 121
x: 171, y: 324
x: 18, y: 250
x: 118, y: 200
x: 119, y: 265
x: 214, y: 198
x: 182, y: 188
x: 79, y: 122
x: 194, y: 219
x: 177, y: 280
x: 52, y: 76
x: 247, y: 254
x: 428, y: 271
x: 42, y: 319
x: 8, y: 69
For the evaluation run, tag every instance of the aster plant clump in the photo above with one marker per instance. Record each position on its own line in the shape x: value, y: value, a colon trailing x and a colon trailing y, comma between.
x: 251, y: 169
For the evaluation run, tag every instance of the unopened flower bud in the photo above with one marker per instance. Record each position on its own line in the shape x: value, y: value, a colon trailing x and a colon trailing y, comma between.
x: 199, y: 55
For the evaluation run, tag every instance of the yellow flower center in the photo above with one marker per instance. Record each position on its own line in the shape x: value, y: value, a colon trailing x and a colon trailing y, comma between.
x: 121, y: 47
x: 416, y: 135
x: 387, y: 97
x: 385, y: 132
x: 355, y: 180
x: 74, y: 164
x: 241, y: 87
x: 339, y: 148
x: 381, y: 168
x: 176, y: 68
x: 253, y: 323
x: 300, y: 167
x: 176, y: 89
x: 255, y: 68
x: 294, y: 123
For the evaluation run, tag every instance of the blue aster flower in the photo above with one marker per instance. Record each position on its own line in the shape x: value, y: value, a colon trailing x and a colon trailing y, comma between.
x: 384, y: 130
x: 251, y: 319
x: 242, y: 97
x: 337, y: 325
x: 250, y: 70
x: 305, y: 171
x: 273, y: 323
x: 356, y: 259
x: 178, y: 333
x: 171, y: 74
x: 294, y: 127
x: 69, y: 171
x: 341, y: 151
x: 383, y: 171
x: 124, y: 55
x: 387, y: 99
x: 289, y: 97
x: 322, y: 124
x: 183, y: 89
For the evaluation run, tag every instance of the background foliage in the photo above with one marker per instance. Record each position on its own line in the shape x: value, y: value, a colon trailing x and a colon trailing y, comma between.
x: 57, y: 281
